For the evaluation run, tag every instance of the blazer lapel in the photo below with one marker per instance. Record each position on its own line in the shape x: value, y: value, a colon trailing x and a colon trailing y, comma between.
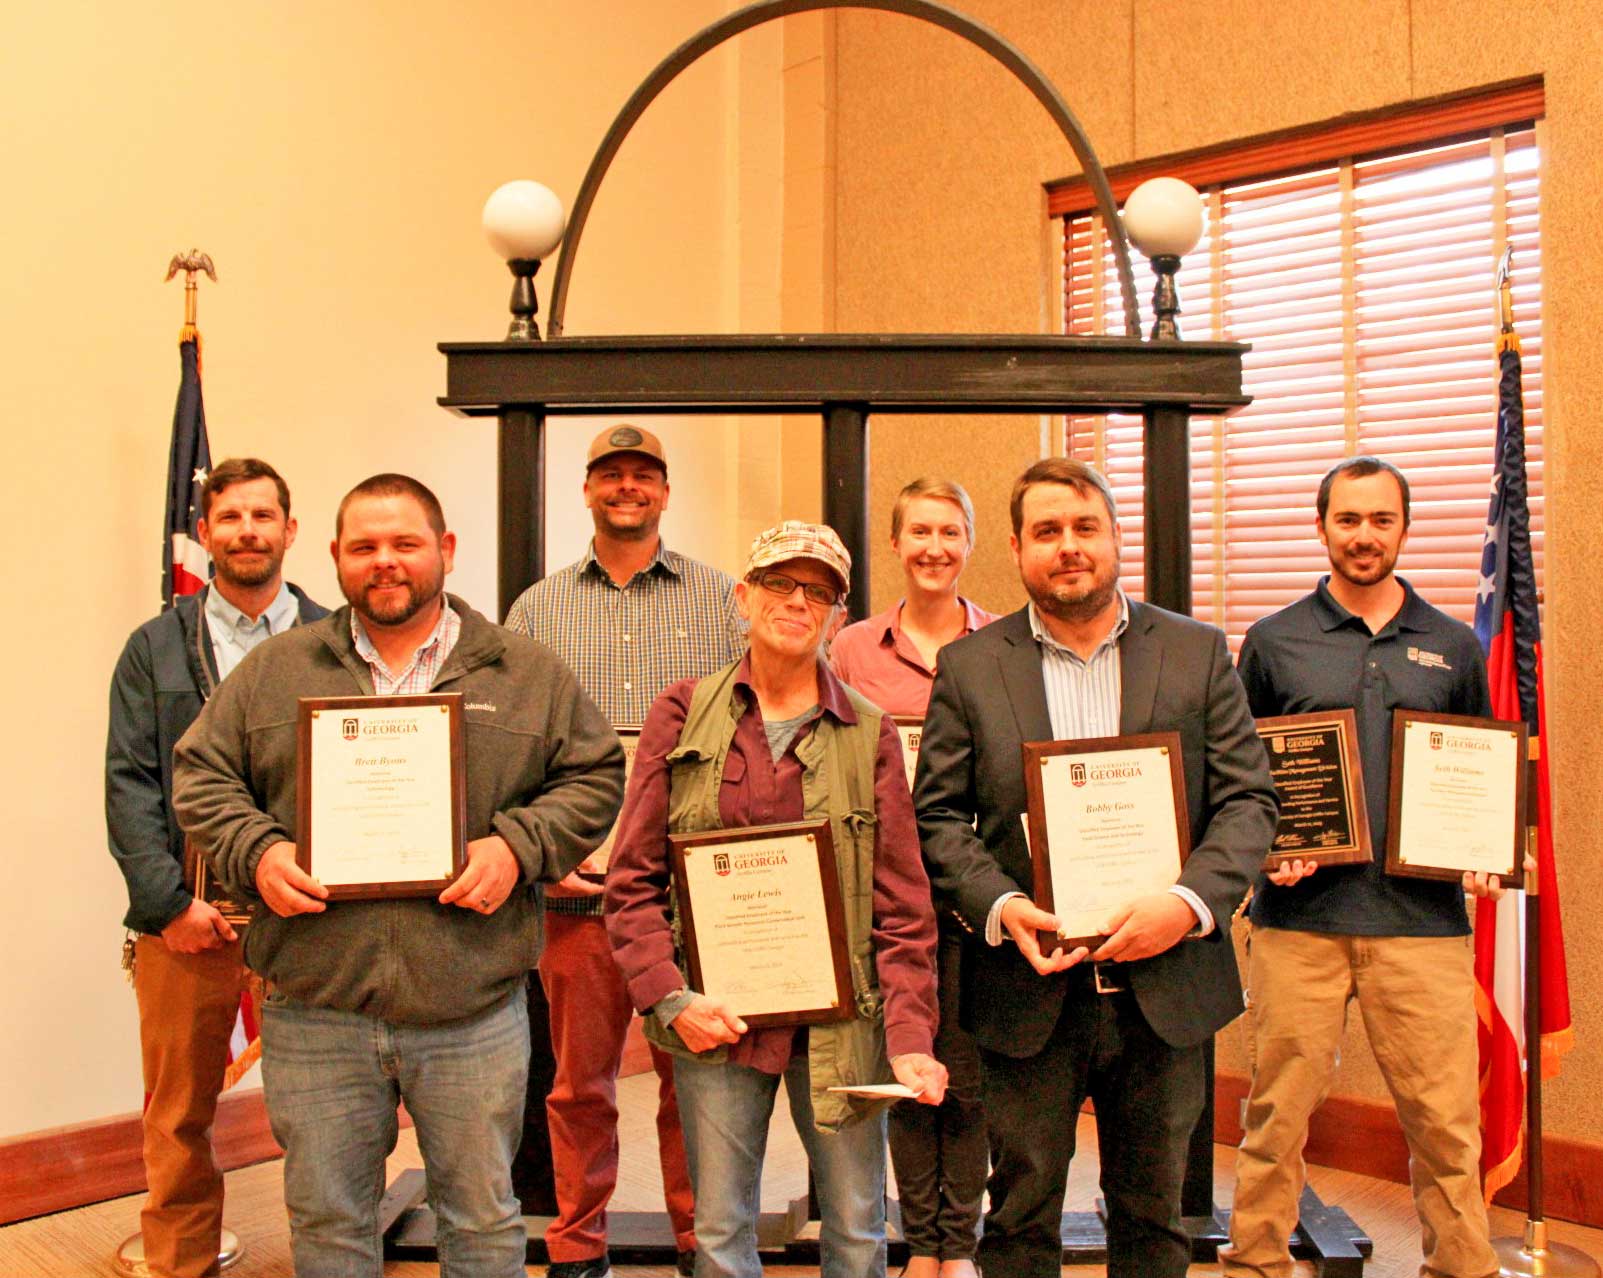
x: 1140, y: 665
x: 1020, y: 662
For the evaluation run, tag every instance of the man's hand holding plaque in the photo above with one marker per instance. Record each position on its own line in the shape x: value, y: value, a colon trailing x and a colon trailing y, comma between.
x: 285, y: 886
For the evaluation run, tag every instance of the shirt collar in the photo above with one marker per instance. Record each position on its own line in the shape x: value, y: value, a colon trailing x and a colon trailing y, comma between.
x: 1044, y: 637
x: 831, y: 691
x: 370, y: 654
x: 1413, y: 615
x: 887, y: 625
x: 279, y: 615
x: 664, y: 560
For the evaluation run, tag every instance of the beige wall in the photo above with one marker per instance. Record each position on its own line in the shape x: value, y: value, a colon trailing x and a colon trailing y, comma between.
x: 940, y: 226
x: 332, y: 159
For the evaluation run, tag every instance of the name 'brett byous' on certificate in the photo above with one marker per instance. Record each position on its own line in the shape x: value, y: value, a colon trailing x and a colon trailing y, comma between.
x: 381, y: 803
x: 1107, y: 824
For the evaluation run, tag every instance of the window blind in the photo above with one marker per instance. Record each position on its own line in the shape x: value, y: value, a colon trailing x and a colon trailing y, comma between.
x: 1365, y: 287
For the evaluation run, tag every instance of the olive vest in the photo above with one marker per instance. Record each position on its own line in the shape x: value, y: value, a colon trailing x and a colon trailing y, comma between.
x: 838, y: 762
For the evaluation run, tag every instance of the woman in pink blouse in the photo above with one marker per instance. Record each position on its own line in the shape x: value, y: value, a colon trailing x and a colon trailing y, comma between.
x: 939, y: 1152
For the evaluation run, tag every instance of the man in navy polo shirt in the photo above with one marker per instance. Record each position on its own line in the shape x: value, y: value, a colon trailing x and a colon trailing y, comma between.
x: 1365, y: 640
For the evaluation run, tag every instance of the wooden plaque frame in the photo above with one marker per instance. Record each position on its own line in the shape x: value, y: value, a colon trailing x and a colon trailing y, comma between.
x: 681, y: 845
x: 1035, y: 755
x: 1359, y: 849
x: 1514, y: 877
x: 450, y: 704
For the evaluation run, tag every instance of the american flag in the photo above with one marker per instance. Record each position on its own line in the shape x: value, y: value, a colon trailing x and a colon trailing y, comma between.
x: 185, y: 565
x: 1508, y: 623
x: 185, y: 568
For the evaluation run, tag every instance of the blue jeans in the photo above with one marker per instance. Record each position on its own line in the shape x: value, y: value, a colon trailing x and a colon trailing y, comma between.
x: 725, y: 1109
x: 332, y: 1080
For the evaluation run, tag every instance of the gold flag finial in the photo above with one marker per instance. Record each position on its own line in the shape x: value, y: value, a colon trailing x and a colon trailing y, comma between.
x: 189, y: 263
x: 1507, y: 338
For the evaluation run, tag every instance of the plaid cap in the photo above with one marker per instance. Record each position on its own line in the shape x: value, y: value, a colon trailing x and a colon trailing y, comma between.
x: 624, y: 438
x: 794, y: 539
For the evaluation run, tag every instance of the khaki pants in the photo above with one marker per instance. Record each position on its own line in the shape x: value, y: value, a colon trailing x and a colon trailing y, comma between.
x: 1416, y: 995
x: 187, y: 1006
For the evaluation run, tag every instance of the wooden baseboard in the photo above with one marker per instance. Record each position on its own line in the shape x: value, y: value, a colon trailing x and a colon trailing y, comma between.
x: 1364, y: 1136
x: 89, y: 1162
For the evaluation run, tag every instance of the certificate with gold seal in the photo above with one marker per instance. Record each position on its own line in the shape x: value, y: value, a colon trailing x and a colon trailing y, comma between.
x: 1457, y: 797
x: 763, y: 922
x: 1107, y: 823
x: 1313, y: 759
x: 381, y: 804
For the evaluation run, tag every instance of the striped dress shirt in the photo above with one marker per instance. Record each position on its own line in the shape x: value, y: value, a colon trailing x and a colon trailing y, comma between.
x: 1083, y: 700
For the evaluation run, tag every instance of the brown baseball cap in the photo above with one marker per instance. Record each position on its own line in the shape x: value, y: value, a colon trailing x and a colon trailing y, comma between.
x: 624, y: 438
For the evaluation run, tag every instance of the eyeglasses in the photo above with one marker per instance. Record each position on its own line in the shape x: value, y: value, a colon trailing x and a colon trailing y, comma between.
x: 777, y: 583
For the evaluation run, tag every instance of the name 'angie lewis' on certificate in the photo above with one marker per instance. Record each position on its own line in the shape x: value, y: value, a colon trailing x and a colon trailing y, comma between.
x: 380, y: 794
x: 760, y: 911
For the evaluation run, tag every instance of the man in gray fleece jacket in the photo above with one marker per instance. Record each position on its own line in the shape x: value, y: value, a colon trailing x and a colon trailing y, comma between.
x: 418, y: 999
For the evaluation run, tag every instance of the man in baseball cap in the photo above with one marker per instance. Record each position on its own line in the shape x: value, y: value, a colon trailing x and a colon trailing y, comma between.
x: 630, y: 617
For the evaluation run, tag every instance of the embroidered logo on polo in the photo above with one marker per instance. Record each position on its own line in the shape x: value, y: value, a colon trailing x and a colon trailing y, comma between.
x: 1430, y: 660
x: 479, y: 705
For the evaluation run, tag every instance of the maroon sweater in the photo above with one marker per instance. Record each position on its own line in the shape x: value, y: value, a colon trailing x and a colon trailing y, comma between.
x: 757, y: 791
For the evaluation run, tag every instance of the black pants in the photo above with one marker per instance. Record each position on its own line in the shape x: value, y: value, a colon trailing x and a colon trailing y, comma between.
x: 940, y: 1151
x: 1147, y: 1095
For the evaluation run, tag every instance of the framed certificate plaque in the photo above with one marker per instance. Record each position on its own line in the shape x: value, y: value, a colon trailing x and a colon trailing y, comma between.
x: 763, y: 922
x: 1107, y: 823
x: 381, y: 807
x: 1314, y: 761
x: 1457, y: 797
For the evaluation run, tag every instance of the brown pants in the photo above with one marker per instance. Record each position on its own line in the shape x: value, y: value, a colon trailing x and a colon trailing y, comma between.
x: 187, y: 1006
x: 1416, y: 995
x: 590, y: 1013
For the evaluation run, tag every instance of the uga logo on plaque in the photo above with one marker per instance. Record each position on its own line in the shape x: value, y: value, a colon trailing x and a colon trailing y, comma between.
x: 720, y: 862
x: 1278, y: 744
x: 1077, y: 773
x: 1435, y: 741
x: 348, y: 729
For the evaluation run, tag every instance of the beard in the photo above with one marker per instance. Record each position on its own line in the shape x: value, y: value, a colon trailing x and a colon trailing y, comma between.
x: 396, y: 610
x: 257, y: 572
x: 1077, y: 604
x: 1380, y: 568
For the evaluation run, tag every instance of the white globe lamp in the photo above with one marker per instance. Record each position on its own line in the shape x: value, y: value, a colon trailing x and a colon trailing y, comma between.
x: 523, y: 221
x: 1163, y: 219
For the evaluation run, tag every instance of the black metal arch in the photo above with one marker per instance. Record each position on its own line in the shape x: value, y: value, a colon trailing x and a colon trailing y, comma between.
x: 754, y: 15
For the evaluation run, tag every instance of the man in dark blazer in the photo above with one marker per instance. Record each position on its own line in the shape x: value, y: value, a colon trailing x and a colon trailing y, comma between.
x: 1126, y: 1023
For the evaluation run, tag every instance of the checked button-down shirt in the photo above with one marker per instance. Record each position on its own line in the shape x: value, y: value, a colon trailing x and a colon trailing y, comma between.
x: 674, y: 619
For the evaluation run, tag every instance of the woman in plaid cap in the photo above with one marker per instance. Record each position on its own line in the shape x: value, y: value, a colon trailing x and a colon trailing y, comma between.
x: 776, y: 737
